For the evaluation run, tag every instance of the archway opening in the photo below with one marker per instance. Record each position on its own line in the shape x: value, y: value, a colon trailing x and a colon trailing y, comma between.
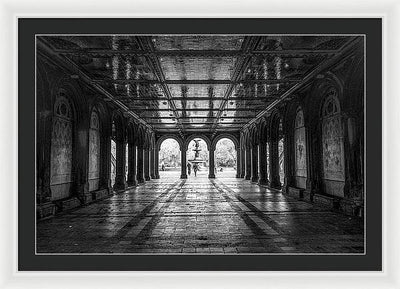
x: 197, y: 157
x: 225, y: 159
x: 169, y: 158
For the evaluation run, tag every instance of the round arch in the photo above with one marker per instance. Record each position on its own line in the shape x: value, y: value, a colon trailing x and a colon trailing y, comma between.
x: 140, y: 141
x: 167, y: 136
x: 194, y: 136
x: 74, y: 94
x: 313, y: 106
x: 119, y: 123
x: 247, y: 139
x: 254, y: 135
x: 131, y: 133
x: 225, y: 135
x: 104, y: 116
x: 262, y: 128
x: 275, y: 121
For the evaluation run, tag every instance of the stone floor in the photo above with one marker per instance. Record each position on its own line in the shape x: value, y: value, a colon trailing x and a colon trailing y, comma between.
x: 200, y: 216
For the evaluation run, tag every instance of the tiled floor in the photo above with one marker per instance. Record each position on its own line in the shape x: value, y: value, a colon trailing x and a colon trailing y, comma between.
x: 200, y: 216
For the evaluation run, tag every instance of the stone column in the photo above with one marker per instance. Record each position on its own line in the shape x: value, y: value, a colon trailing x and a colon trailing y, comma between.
x: 105, y: 163
x: 131, y: 165
x: 238, y: 163
x: 242, y: 163
x: 139, y: 176
x: 262, y: 152
x: 156, y: 164
x: 254, y: 163
x: 120, y: 182
x: 309, y: 159
x: 211, y: 165
x: 43, y: 155
x: 248, y: 164
x: 146, y: 165
x: 274, y: 165
x: 152, y: 166
x: 183, y: 164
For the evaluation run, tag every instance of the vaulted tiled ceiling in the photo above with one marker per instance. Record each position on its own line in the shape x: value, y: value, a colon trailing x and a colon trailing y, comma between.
x: 197, y: 83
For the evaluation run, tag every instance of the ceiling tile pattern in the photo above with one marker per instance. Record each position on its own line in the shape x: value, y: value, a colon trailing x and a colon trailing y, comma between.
x: 197, y: 68
x: 194, y: 42
x: 192, y: 83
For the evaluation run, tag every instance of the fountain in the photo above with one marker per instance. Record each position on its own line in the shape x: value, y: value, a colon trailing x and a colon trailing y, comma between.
x: 197, y: 159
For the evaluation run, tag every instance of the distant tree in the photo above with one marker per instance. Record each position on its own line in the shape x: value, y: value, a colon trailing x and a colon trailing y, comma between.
x: 225, y: 153
x: 170, y: 153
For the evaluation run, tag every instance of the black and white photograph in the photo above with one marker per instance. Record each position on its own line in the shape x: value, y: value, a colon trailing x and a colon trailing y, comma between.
x: 200, y: 144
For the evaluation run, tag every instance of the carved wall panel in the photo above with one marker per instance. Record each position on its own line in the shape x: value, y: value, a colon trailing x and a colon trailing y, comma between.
x: 300, y: 146
x: 332, y: 140
x: 113, y: 161
x: 94, y: 152
x: 281, y: 152
x: 61, y: 150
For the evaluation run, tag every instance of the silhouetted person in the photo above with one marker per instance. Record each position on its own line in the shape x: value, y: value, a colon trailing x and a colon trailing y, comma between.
x: 195, y: 169
x: 189, y: 168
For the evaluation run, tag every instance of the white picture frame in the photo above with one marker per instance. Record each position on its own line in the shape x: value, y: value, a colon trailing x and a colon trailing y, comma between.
x: 388, y: 10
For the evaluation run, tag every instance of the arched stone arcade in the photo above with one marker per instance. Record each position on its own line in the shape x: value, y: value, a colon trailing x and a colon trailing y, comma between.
x: 309, y: 145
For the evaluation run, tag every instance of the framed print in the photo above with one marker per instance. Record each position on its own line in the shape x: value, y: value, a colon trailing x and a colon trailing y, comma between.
x: 200, y: 144
x: 228, y: 149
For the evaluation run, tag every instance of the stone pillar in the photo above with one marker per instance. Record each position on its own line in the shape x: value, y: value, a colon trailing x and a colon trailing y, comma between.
x: 131, y: 165
x: 248, y: 164
x: 274, y: 165
x: 120, y: 182
x: 156, y: 164
x: 139, y: 176
x: 262, y: 164
x: 80, y: 166
x: 211, y: 165
x: 254, y: 163
x: 183, y: 164
x: 309, y: 150
x: 146, y: 165
x: 152, y: 164
x: 242, y: 163
x: 43, y: 155
x: 105, y: 163
x: 44, y: 206
x: 238, y: 163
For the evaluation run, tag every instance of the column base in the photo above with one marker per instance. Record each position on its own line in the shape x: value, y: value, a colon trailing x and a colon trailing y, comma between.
x: 120, y: 186
x: 276, y: 185
x: 132, y: 183
x: 45, y: 210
